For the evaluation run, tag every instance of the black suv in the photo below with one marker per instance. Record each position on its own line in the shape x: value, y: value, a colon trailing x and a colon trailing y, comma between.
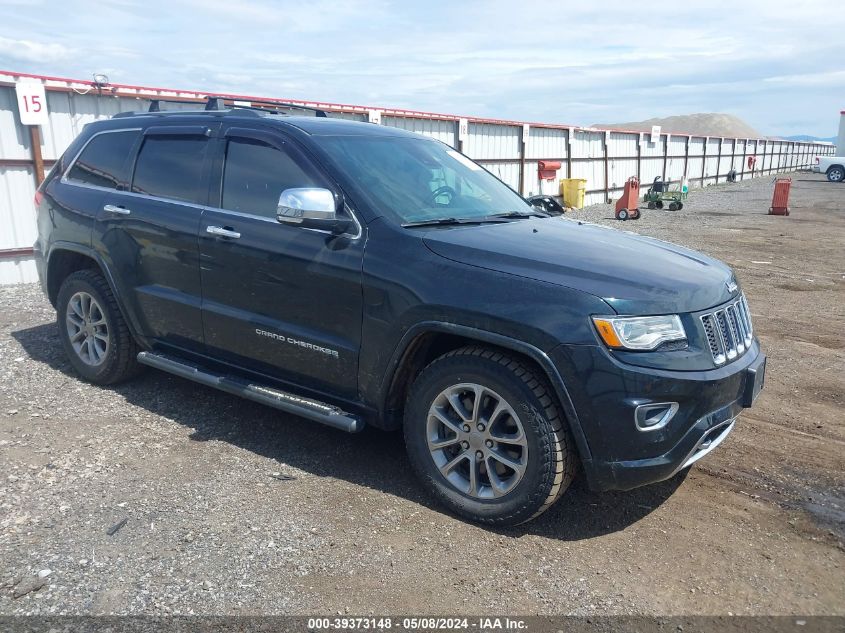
x: 356, y: 274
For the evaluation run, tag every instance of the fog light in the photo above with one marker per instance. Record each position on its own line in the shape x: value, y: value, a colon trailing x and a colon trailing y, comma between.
x: 650, y: 417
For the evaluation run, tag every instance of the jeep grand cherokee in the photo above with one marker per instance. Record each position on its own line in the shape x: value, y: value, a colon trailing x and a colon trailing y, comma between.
x: 357, y: 274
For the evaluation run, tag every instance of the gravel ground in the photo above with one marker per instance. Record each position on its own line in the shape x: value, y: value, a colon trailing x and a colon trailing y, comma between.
x: 161, y: 496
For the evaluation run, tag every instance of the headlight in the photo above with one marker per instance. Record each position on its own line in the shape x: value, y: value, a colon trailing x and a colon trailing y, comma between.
x: 640, y: 333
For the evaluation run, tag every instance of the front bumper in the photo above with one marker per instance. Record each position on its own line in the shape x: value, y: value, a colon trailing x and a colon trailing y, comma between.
x: 606, y: 392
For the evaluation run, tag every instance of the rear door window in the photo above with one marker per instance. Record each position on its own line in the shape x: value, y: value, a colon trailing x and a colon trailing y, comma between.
x: 105, y: 160
x: 255, y: 174
x: 170, y: 166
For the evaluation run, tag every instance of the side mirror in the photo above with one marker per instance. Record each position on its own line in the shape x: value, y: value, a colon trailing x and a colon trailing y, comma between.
x: 311, y: 208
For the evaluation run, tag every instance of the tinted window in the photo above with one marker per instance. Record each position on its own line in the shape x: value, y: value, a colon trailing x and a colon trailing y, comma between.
x: 170, y: 167
x: 414, y: 179
x: 103, y: 162
x: 255, y: 174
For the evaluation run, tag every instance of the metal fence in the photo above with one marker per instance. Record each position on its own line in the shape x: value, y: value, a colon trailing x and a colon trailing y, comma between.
x: 512, y: 150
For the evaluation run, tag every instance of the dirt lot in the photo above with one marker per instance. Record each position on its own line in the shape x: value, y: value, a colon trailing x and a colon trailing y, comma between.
x: 234, y: 509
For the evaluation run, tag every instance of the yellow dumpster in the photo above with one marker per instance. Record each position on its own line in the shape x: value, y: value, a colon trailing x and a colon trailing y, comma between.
x: 573, y: 190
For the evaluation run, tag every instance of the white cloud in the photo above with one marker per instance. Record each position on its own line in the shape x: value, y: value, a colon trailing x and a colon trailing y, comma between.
x: 302, y: 17
x: 29, y: 51
x: 768, y: 61
x: 829, y: 79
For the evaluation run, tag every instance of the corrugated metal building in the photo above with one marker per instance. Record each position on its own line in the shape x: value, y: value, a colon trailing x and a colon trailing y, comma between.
x: 509, y: 149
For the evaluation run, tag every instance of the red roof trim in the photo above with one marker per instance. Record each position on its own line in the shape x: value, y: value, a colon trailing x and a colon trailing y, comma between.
x: 343, y: 107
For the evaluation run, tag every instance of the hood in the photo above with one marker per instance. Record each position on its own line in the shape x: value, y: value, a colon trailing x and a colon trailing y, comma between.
x: 634, y: 274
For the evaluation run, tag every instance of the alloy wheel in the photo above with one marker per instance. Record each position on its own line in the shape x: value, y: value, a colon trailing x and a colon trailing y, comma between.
x: 87, y: 329
x: 477, y: 441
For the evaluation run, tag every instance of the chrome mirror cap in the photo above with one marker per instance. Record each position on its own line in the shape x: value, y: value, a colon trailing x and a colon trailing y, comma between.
x: 306, y: 203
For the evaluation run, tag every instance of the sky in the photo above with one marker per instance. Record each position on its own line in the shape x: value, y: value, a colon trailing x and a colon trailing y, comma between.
x: 776, y: 64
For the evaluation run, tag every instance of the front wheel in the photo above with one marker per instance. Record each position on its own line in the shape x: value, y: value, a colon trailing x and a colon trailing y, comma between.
x: 836, y: 174
x: 484, y: 434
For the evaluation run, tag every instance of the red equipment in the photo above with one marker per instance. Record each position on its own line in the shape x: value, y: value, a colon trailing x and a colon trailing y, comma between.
x: 626, y: 206
x: 547, y: 169
x: 780, y: 199
x: 752, y: 160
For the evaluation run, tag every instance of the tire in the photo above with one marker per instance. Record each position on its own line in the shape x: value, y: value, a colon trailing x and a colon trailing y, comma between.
x: 658, y: 204
x: 622, y: 214
x: 673, y: 206
x: 527, y: 415
x: 651, y: 204
x: 680, y: 206
x: 635, y: 214
x: 102, y: 350
x: 836, y: 174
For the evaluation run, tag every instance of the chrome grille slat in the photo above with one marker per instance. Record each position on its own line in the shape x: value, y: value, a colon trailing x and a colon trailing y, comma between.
x: 739, y: 339
x: 725, y: 331
x: 713, y: 339
x: 746, y: 315
x: 728, y: 331
x: 740, y: 326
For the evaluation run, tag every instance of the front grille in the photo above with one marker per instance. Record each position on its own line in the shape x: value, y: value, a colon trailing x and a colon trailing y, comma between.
x: 728, y: 331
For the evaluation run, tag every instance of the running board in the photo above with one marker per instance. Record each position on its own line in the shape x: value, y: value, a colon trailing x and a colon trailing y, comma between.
x: 287, y: 402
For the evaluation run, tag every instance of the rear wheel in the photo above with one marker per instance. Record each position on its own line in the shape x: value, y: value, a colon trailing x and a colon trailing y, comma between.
x: 92, y: 330
x: 651, y: 204
x: 485, y: 436
x: 673, y: 206
x: 658, y: 204
x: 836, y: 174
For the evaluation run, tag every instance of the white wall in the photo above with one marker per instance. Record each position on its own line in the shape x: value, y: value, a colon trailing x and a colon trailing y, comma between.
x: 497, y: 145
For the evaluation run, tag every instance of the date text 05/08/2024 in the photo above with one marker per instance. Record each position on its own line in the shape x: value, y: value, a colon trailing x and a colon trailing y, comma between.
x: 418, y: 623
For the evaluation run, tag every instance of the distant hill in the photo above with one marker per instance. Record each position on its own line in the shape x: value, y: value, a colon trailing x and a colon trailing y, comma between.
x: 811, y: 139
x: 704, y: 124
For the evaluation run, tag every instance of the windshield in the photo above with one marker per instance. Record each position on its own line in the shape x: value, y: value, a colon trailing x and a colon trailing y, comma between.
x: 420, y: 180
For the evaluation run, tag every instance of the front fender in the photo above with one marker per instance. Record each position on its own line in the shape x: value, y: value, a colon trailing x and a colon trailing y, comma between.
x: 401, y: 354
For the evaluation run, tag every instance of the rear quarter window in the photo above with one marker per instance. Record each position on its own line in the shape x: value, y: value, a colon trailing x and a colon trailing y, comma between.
x: 104, y: 162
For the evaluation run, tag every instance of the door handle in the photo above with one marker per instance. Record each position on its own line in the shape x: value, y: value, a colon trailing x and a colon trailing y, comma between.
x: 222, y: 232
x: 110, y: 208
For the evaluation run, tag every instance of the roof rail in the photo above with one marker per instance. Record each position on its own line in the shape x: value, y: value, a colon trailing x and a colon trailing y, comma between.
x: 218, y: 103
x: 282, y: 104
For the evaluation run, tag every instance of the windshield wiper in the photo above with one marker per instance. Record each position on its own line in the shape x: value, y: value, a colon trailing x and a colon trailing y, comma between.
x: 448, y: 221
x: 520, y: 214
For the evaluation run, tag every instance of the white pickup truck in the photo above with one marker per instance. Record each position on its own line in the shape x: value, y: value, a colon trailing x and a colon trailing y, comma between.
x: 833, y: 166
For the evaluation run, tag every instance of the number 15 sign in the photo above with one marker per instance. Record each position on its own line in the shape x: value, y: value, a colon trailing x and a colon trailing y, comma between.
x: 32, y: 103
